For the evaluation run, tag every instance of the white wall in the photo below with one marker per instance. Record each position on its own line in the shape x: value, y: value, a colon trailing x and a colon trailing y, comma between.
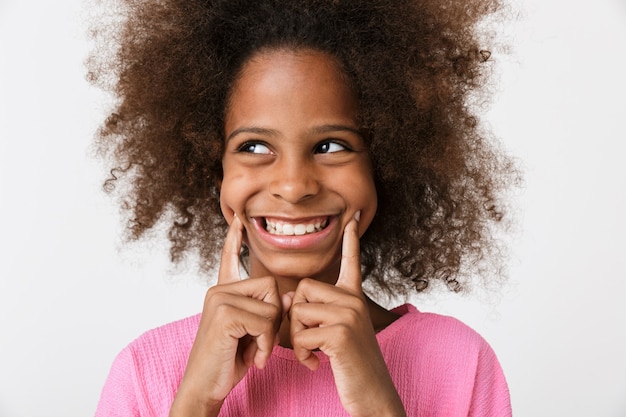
x: 69, y: 301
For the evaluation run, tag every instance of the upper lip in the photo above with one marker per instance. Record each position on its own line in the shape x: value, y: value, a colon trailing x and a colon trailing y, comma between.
x: 293, y: 219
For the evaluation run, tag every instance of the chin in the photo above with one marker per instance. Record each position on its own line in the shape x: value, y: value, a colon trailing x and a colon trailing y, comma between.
x: 299, y: 267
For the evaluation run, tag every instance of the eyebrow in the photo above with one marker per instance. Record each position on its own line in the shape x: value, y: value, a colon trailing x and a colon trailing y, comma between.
x: 315, y: 131
x: 335, y: 128
x: 255, y: 130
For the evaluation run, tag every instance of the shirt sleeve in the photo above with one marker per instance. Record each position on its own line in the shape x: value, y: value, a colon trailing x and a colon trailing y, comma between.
x: 490, y: 396
x: 118, y: 397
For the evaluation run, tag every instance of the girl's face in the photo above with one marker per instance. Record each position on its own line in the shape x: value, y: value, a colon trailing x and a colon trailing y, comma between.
x: 296, y: 168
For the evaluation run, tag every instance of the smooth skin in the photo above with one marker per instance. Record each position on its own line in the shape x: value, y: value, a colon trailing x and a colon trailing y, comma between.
x: 293, y: 153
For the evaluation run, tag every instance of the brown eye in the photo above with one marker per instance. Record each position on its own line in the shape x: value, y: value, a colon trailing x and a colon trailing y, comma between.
x: 254, y: 147
x: 330, y: 147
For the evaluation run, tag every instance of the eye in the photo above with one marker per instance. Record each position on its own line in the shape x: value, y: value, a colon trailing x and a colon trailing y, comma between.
x: 254, y: 147
x: 330, y: 147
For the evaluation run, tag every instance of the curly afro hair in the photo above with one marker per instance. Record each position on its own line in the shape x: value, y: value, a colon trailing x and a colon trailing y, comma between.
x: 417, y: 67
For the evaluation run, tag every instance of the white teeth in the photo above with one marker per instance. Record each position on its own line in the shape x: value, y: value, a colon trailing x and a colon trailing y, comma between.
x: 288, y: 229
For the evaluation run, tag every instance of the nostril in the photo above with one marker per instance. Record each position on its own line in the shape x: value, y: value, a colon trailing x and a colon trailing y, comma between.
x: 294, y: 189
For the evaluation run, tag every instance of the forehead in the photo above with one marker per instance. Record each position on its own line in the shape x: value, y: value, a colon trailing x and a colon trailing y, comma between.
x: 304, y: 83
x: 283, y: 65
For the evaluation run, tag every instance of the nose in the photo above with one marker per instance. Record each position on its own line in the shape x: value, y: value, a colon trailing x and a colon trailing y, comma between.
x: 294, y: 180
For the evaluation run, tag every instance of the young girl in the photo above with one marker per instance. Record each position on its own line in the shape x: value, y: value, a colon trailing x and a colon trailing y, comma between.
x: 333, y: 140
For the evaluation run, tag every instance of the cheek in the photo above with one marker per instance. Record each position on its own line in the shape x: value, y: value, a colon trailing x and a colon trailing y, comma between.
x: 359, y: 192
x: 235, y: 191
x: 226, y: 205
x: 364, y: 195
x: 369, y: 204
x: 364, y: 188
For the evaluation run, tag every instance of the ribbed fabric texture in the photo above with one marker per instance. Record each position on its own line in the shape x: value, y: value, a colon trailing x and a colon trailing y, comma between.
x: 440, y: 367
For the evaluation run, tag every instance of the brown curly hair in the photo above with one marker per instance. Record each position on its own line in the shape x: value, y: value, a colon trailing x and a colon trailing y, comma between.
x: 416, y: 66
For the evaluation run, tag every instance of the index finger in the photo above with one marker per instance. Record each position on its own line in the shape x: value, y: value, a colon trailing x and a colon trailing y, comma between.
x: 350, y: 269
x: 229, y: 262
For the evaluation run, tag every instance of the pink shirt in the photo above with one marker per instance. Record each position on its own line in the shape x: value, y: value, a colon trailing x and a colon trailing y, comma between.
x: 440, y: 367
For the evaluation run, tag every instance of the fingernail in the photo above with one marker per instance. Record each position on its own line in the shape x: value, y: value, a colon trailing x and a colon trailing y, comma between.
x: 357, y: 216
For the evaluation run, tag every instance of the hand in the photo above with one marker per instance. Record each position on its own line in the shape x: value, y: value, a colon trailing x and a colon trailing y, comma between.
x: 336, y: 320
x: 238, y: 329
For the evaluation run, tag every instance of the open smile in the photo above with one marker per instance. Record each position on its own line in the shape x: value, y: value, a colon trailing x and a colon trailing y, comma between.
x: 295, y: 234
x: 297, y: 228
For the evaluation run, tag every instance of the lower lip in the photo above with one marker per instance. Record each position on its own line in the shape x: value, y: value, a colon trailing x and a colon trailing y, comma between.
x: 295, y: 242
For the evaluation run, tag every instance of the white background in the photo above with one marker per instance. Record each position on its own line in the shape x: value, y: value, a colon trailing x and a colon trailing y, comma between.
x: 69, y: 300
